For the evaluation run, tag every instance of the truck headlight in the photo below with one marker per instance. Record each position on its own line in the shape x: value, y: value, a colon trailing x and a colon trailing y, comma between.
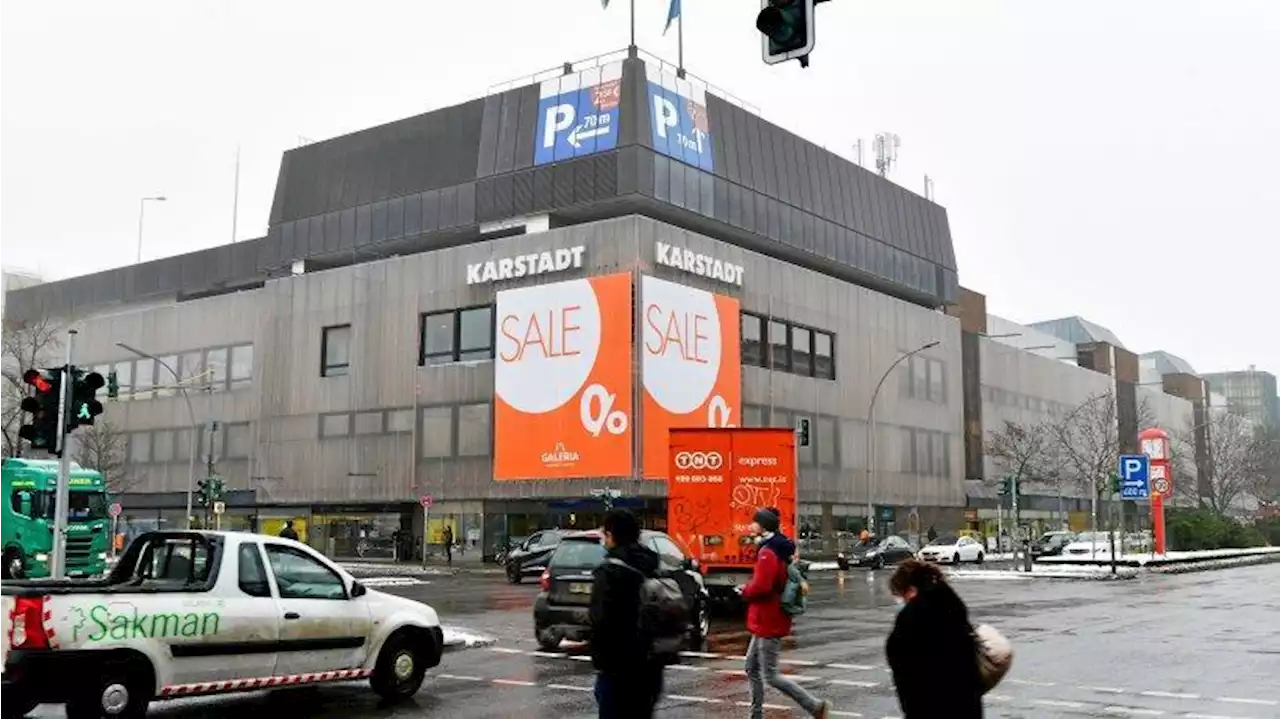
x: 102, y: 556
x: 42, y: 557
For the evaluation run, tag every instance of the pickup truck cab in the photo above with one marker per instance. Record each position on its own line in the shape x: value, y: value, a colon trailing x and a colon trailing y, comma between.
x: 187, y: 613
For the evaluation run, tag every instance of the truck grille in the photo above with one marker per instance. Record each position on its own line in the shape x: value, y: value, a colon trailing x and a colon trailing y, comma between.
x: 79, y: 551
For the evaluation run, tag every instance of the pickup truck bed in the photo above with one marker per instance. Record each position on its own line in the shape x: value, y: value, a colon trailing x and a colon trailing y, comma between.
x: 206, y: 612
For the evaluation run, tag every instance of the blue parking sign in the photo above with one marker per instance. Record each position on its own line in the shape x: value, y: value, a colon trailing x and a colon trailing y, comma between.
x: 1134, y: 472
x: 681, y: 127
x: 578, y: 122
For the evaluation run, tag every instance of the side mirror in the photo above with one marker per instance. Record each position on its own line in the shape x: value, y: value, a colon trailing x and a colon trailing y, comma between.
x: 358, y: 590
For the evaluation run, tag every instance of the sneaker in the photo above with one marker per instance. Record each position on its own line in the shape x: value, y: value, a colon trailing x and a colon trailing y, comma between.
x: 824, y: 710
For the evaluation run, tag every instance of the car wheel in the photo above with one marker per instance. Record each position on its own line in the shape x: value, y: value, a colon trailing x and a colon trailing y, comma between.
x: 700, y: 628
x: 548, y: 640
x: 122, y: 691
x: 956, y: 558
x: 980, y: 558
x: 14, y: 567
x: 401, y: 666
x: 879, y: 563
x: 513, y: 577
x: 843, y: 563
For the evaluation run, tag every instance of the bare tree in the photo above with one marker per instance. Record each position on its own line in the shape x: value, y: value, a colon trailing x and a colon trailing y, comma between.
x: 26, y: 345
x: 1022, y: 450
x: 1088, y: 440
x: 102, y: 447
x: 1238, y: 457
x: 1267, y: 485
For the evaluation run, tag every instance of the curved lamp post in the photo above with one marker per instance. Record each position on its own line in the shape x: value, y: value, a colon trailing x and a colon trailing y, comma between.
x: 871, y: 430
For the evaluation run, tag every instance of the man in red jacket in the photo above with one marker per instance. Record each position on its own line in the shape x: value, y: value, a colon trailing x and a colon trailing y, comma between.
x: 767, y: 622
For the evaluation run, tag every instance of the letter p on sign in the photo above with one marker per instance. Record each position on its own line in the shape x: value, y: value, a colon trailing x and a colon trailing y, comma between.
x: 559, y: 118
x: 664, y: 115
x: 1132, y: 467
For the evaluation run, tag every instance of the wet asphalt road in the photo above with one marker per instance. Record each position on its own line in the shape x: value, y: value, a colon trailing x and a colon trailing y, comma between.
x: 1201, y: 645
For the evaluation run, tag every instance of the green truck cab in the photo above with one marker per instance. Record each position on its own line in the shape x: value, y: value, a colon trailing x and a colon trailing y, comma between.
x: 26, y: 520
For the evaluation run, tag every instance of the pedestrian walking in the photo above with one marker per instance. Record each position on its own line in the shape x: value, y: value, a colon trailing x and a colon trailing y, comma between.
x: 932, y: 632
x: 448, y: 543
x: 288, y: 531
x: 629, y: 677
x: 766, y: 620
x: 933, y: 533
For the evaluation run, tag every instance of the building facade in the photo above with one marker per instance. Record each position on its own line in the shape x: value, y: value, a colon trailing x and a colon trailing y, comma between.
x: 1250, y: 393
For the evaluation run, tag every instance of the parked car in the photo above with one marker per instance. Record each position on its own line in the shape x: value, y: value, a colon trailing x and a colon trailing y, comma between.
x: 189, y: 613
x: 1051, y: 544
x: 952, y: 549
x: 560, y: 610
x: 876, y: 553
x: 1092, y: 544
x: 529, y: 558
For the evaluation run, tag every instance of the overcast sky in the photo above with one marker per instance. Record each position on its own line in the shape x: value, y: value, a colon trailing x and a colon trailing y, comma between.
x: 1115, y: 160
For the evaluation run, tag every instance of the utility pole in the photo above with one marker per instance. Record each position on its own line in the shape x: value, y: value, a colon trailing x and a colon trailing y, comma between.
x: 209, y: 473
x: 62, y: 498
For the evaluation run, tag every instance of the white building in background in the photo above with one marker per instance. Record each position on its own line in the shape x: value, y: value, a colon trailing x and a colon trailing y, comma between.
x: 1029, y: 339
x: 16, y: 280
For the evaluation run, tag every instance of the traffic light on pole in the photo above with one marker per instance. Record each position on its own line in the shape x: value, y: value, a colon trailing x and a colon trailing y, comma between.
x: 202, y: 492
x: 1005, y: 487
x: 787, y: 26
x: 42, y: 404
x: 84, y: 403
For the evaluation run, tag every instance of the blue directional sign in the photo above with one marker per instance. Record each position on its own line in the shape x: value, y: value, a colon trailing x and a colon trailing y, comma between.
x: 1135, y: 476
x: 577, y: 122
x: 681, y: 128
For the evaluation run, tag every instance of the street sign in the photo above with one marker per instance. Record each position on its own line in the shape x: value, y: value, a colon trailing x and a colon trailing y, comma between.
x: 219, y: 507
x: 115, y: 509
x: 425, y: 501
x: 1135, y: 476
x: 1160, y: 484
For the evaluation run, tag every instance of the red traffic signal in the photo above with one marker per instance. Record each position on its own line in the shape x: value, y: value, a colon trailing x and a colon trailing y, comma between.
x: 42, y: 380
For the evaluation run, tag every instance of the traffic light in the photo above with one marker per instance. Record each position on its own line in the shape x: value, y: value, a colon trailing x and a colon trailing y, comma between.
x: 802, y: 432
x: 113, y: 385
x: 42, y: 404
x: 84, y: 403
x: 209, y: 490
x: 202, y: 492
x: 787, y: 26
x: 1005, y: 487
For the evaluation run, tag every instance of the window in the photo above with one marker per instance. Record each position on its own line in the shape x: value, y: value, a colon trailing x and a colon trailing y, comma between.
x: 668, y: 550
x: 919, y: 377
x: 456, y: 336
x: 828, y: 449
x: 335, y: 425
x: 937, y: 382
x: 475, y: 333
x: 162, y: 446
x: 164, y: 378
x: 400, y: 420
x: 335, y: 351
x: 253, y: 576
x: 299, y: 576
x: 752, y: 415
x: 938, y: 455
x: 473, y: 430
x: 190, y: 365
x: 437, y: 431
x: 368, y: 423
x: 752, y: 340
x: 124, y: 378
x: 144, y: 373
x: 824, y: 364
x: 241, y: 366
x: 216, y: 369
x: 437, y: 338
x: 779, y: 348
x: 802, y: 351
x: 182, y: 444
x: 140, y: 447
x: 239, y: 441
x: 922, y: 453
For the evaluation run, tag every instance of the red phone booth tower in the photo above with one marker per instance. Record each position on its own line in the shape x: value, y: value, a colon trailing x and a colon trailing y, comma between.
x: 1155, y: 444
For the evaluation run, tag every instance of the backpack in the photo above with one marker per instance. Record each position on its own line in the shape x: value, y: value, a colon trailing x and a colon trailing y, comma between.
x: 793, y: 596
x: 664, y: 614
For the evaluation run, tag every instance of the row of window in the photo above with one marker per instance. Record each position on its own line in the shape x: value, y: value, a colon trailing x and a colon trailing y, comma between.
x: 1016, y: 400
x: 209, y: 369
x: 230, y: 441
x: 925, y: 379
x: 446, y: 430
x: 466, y: 335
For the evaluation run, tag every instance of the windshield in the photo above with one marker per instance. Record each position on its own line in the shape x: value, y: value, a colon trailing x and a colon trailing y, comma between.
x: 84, y: 506
x: 1092, y: 537
x: 584, y: 553
x: 944, y: 540
x: 1050, y: 537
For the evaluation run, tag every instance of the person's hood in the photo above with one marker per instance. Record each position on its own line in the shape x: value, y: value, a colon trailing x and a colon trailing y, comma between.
x: 782, y: 547
x: 940, y: 600
x: 637, y: 556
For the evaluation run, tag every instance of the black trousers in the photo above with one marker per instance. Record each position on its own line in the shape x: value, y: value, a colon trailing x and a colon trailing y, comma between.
x: 631, y: 694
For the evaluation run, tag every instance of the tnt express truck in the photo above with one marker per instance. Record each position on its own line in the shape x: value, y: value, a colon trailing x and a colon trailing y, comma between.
x: 717, y: 479
x: 29, y: 486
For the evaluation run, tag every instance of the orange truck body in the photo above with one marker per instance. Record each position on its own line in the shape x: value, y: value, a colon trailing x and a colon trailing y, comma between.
x: 717, y: 479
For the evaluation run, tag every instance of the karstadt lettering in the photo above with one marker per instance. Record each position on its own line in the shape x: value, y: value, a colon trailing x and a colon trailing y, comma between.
x: 698, y: 264
x: 534, y: 263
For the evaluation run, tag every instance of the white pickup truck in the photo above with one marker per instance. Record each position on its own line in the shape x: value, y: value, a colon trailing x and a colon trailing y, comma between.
x: 187, y: 613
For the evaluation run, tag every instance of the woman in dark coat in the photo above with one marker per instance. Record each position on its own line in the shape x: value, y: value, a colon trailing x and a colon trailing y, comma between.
x: 932, y: 650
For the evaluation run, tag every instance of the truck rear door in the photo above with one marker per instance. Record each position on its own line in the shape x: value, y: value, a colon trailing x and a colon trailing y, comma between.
x: 323, y: 628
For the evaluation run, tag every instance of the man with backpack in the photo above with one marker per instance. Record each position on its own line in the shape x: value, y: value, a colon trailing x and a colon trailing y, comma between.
x: 626, y: 649
x: 768, y: 619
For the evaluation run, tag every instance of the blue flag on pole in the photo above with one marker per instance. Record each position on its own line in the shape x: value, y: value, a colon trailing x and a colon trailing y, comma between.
x: 673, y: 14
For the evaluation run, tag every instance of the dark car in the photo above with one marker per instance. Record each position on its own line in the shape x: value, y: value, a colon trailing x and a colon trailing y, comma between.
x: 560, y: 610
x: 1051, y: 544
x: 529, y: 558
x: 876, y: 553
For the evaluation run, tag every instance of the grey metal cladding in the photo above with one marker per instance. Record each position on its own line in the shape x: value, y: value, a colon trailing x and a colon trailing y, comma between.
x: 634, y: 107
x: 488, y: 150
x: 606, y: 174
x: 627, y: 171
x: 543, y: 193
x: 584, y: 180
x: 527, y: 126
x: 521, y: 195
x: 508, y: 127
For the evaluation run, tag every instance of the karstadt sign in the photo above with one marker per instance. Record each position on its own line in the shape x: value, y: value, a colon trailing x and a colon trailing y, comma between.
x: 696, y: 263
x: 526, y: 265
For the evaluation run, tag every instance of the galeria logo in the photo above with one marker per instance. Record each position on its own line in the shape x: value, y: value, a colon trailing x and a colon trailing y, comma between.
x: 560, y: 457
x: 699, y: 460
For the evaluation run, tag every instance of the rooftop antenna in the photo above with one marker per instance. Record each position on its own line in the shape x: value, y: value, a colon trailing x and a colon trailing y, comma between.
x: 886, y: 146
x: 857, y: 152
x: 928, y: 188
x: 235, y: 198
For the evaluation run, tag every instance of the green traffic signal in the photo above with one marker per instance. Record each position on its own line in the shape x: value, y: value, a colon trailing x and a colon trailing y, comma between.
x: 84, y: 403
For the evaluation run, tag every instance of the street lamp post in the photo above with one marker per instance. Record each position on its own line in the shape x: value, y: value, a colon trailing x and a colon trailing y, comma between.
x: 871, y: 431
x: 142, y: 212
x: 191, y: 469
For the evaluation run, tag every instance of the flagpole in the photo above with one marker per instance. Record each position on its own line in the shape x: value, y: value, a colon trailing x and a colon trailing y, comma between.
x: 633, y: 23
x: 680, y: 45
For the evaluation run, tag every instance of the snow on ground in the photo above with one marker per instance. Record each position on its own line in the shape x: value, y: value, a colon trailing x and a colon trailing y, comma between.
x: 1043, y: 572
x: 1167, y: 558
x: 456, y: 639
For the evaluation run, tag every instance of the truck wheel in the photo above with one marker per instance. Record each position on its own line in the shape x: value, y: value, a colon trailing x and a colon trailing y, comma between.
x: 122, y: 691
x: 14, y: 567
x: 401, y: 667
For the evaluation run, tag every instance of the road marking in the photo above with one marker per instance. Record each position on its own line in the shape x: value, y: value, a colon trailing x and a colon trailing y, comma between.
x: 1208, y: 716
x: 772, y: 707
x: 1258, y: 702
x: 800, y: 662
x: 802, y: 677
x: 1030, y: 683
x: 580, y: 657
x: 732, y: 672
x: 1058, y: 703
x: 461, y: 677
x: 550, y: 655
x: 999, y: 698
x: 854, y: 667
x: 853, y: 683
x: 699, y: 700
x: 1133, y: 711
x: 506, y: 650
x: 1103, y: 690
x: 1168, y: 695
x: 736, y: 657
x: 700, y: 655
x: 687, y: 667
x: 838, y: 713
x: 569, y: 687
x: 514, y: 683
